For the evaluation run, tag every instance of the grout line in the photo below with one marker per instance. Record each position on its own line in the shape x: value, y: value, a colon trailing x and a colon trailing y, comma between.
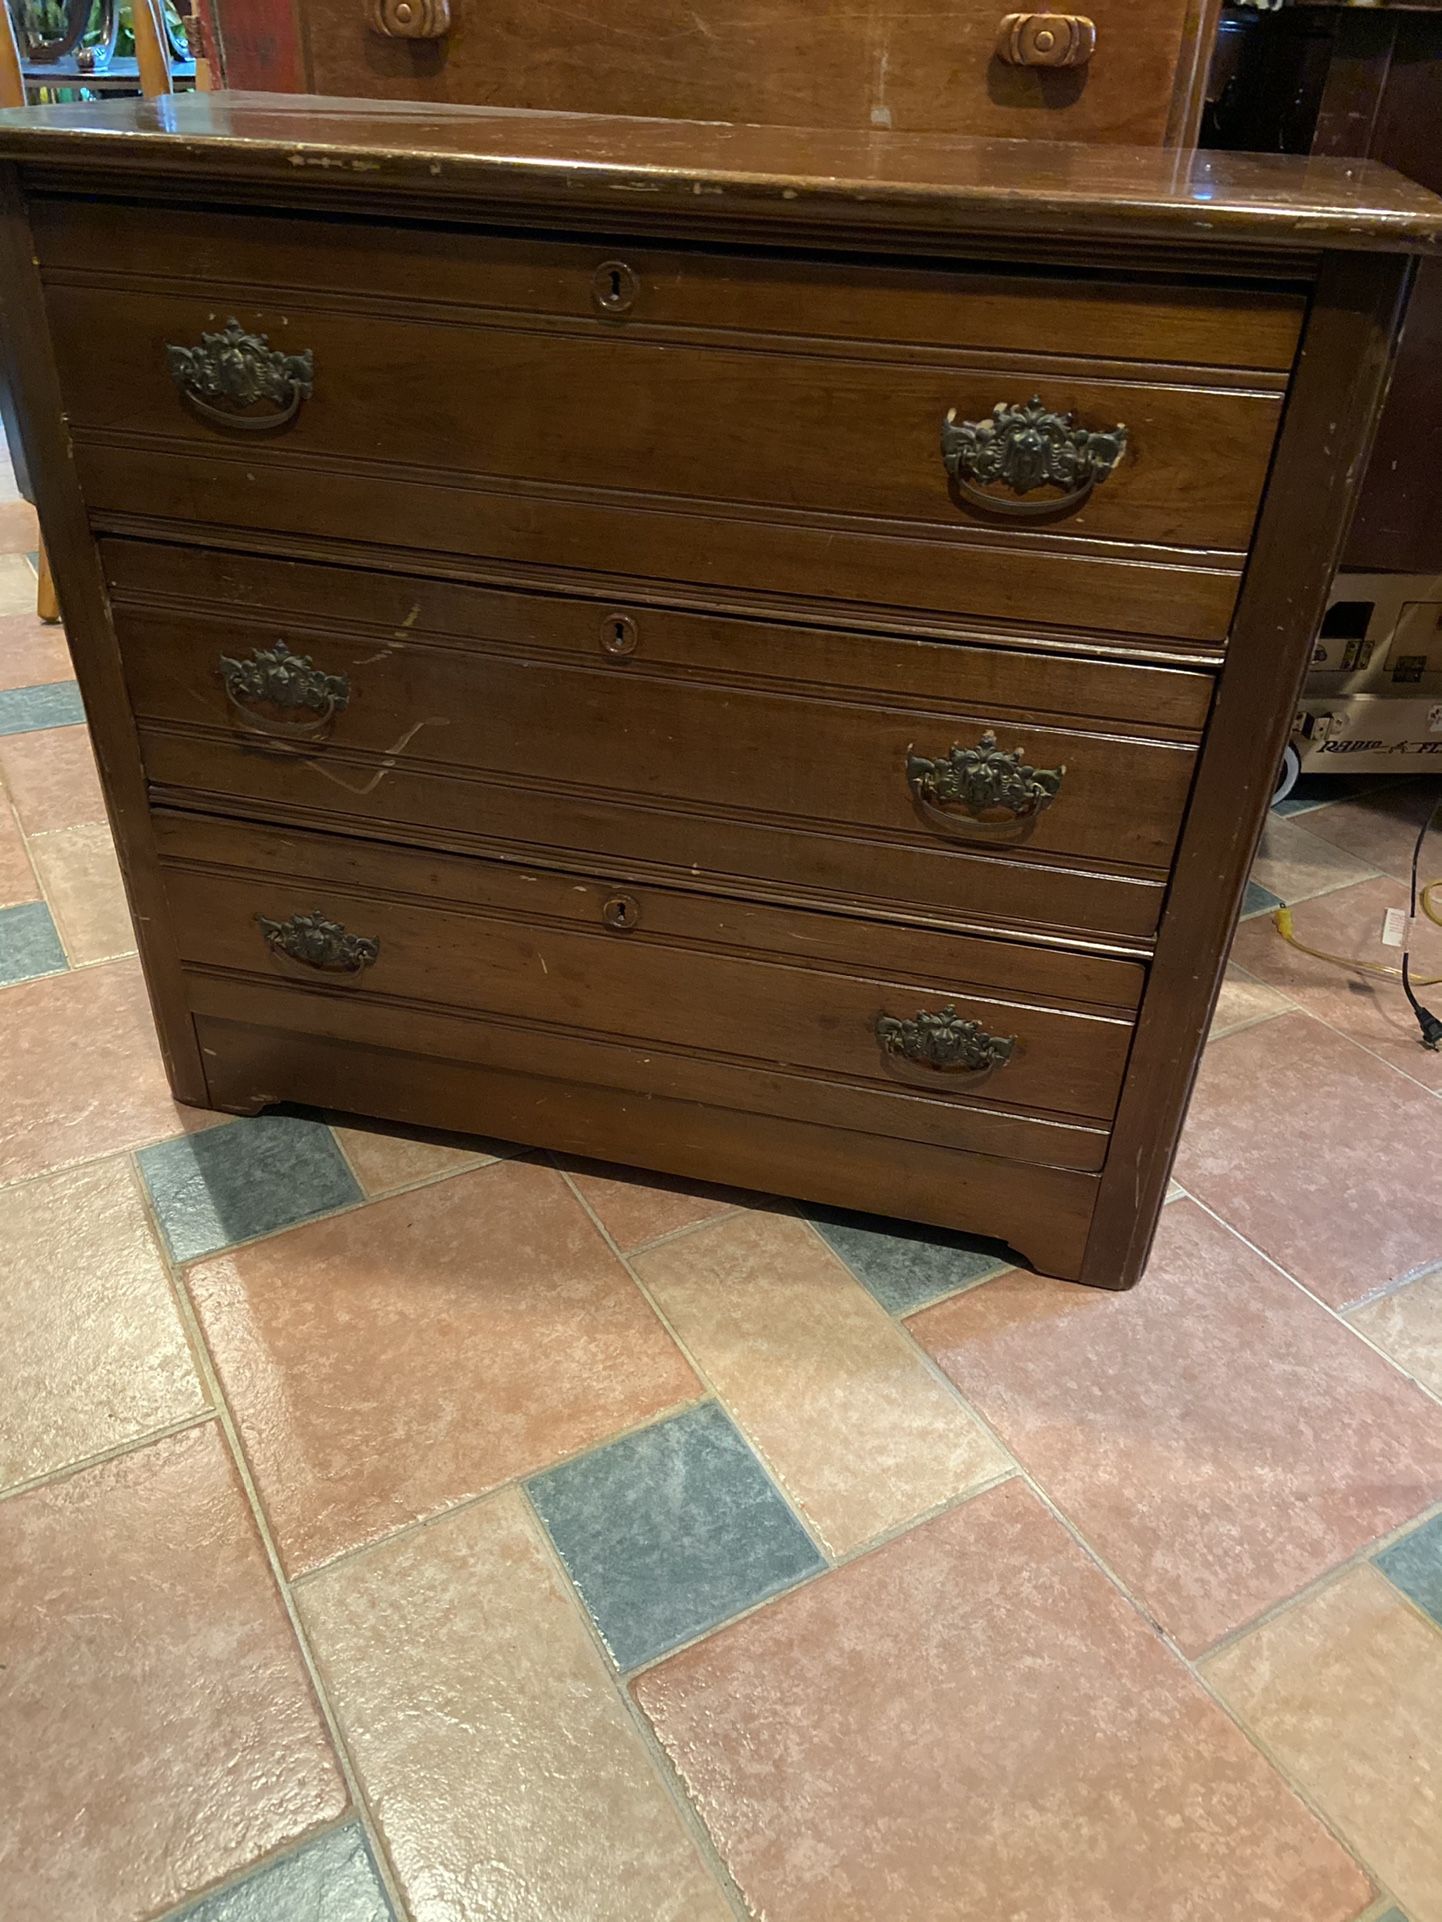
x: 234, y: 1879
x: 858, y: 1554
x: 770, y: 1470
x: 1025, y: 1475
x: 211, y: 1380
x: 1386, y: 1292
x: 1338, y: 1315
x: 667, y: 1777
x: 127, y: 1447
x: 361, y: 1549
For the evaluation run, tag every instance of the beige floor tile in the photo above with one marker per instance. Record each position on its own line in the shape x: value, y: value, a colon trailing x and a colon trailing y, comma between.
x: 81, y: 880
x: 1370, y: 1011
x: 971, y: 1723
x: 385, y: 1160
x: 388, y: 1363
x: 635, y: 1208
x: 1381, y: 827
x: 1294, y: 864
x: 856, y: 1428
x: 52, y: 778
x: 17, y: 584
x: 85, y: 1076
x: 1345, y: 1689
x: 92, y: 1351
x: 1326, y: 1158
x: 1407, y: 1325
x: 1243, y: 1001
x: 32, y: 652
x: 17, y: 877
x: 503, y: 1769
x: 160, y: 1730
x: 19, y: 529
x: 1216, y: 1435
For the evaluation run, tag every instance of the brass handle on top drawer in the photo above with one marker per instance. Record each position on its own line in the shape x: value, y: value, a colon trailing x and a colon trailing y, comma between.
x: 320, y: 943
x: 229, y: 373
x: 944, y: 1041
x: 982, y: 792
x: 409, y: 19
x: 273, y: 677
x: 1025, y: 448
x: 1046, y: 40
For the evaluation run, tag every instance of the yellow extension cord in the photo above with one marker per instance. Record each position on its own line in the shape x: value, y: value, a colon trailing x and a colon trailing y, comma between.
x: 1282, y: 921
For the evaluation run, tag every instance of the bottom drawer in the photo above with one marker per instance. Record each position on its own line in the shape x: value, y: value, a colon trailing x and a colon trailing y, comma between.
x: 651, y: 998
x: 256, y: 1056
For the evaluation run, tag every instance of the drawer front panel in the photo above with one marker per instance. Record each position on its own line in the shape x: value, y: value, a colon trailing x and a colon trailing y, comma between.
x: 572, y: 958
x: 806, y: 303
x: 673, y: 423
x: 556, y: 628
x: 943, y: 775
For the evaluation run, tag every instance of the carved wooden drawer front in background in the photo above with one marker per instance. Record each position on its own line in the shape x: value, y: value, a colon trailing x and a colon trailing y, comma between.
x: 756, y: 654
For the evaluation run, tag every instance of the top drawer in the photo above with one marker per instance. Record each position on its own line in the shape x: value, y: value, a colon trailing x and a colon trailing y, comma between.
x: 752, y: 422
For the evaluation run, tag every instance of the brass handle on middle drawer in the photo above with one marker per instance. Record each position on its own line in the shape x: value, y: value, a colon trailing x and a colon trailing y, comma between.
x: 945, y: 1041
x: 274, y: 677
x: 981, y: 791
x: 320, y: 943
x: 239, y: 370
x: 1025, y: 448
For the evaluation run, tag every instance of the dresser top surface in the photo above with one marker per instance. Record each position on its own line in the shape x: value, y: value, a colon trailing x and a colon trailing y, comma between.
x: 507, y: 157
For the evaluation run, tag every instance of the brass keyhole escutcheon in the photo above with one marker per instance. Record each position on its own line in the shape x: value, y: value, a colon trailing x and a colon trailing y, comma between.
x: 622, y: 912
x: 614, y: 287
x: 618, y: 636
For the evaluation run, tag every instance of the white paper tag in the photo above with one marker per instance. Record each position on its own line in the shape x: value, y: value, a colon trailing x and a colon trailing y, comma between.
x: 1394, y: 928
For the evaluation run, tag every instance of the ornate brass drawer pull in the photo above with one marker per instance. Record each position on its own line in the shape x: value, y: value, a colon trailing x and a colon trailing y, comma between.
x: 320, y: 943
x: 274, y: 677
x: 239, y: 370
x: 1025, y: 448
x: 944, y: 1041
x: 981, y: 791
x: 1046, y: 40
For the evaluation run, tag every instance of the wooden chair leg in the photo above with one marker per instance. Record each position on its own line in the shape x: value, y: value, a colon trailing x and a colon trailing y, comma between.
x: 46, y: 605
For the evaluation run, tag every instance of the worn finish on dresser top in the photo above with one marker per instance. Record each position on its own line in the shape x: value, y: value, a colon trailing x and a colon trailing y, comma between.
x: 751, y: 653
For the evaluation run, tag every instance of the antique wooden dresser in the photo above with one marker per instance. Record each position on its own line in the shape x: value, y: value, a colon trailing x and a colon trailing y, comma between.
x: 750, y: 653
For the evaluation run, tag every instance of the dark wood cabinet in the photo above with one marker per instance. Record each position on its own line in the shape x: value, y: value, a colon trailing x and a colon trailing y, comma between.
x: 749, y: 653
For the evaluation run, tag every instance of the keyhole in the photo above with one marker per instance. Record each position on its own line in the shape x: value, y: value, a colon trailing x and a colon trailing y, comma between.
x: 618, y: 635
x: 622, y: 912
x: 613, y: 287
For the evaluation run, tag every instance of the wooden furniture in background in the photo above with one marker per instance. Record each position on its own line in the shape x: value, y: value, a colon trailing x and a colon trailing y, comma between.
x: 1114, y: 72
x: 752, y: 653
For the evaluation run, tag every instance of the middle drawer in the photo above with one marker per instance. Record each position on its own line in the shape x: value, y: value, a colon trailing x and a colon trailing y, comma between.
x: 956, y: 781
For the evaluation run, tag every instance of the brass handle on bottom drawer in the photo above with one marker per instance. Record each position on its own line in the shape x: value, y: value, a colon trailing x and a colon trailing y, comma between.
x: 320, y: 943
x: 273, y: 676
x: 1025, y: 448
x: 981, y: 792
x: 944, y: 1041
x: 241, y: 369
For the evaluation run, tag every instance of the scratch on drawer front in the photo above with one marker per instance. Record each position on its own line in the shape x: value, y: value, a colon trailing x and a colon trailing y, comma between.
x: 392, y: 755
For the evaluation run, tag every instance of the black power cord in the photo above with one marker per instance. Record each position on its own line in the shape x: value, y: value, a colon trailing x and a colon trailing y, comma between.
x: 1427, y: 1021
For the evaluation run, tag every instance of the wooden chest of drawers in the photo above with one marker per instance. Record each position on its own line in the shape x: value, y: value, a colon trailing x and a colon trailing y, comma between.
x: 756, y: 655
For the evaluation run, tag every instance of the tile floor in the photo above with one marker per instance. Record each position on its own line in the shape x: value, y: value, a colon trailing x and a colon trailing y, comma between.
x: 407, y: 1528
